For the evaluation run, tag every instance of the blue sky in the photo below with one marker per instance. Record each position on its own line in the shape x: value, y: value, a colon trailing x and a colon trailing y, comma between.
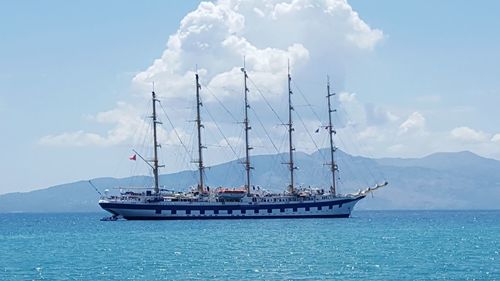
x: 443, y: 48
x: 435, y: 69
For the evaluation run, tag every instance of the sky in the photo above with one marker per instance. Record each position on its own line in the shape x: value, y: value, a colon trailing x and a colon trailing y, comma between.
x: 411, y: 78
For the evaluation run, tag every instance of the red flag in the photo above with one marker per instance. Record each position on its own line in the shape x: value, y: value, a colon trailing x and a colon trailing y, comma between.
x: 133, y: 157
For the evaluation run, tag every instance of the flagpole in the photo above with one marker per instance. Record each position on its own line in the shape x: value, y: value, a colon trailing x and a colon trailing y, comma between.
x: 143, y: 159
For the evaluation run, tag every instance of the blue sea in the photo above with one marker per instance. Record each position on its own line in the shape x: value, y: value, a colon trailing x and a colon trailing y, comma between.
x: 371, y: 245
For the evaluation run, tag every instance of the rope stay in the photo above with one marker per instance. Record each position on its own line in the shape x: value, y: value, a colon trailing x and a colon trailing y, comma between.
x: 350, y: 163
x: 309, y: 134
x: 266, y: 101
x: 220, y: 103
x: 220, y: 132
x: 174, y: 129
x: 267, y: 134
x: 308, y: 104
x: 347, y: 165
x: 311, y: 107
x: 358, y: 151
x: 278, y: 152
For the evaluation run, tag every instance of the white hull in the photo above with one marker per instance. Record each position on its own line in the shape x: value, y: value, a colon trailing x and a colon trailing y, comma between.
x: 338, y: 207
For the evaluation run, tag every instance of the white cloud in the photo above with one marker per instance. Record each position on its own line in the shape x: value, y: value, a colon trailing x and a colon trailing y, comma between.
x: 496, y: 138
x: 369, y: 133
x: 217, y: 35
x: 345, y: 97
x: 467, y: 134
x: 377, y: 115
x: 412, y: 137
x: 326, y: 36
x: 78, y: 138
x: 124, y: 118
x: 415, y: 122
x: 259, y: 12
x: 364, y: 36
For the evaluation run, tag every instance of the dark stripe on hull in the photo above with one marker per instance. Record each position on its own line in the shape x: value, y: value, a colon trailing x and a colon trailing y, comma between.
x: 240, y: 217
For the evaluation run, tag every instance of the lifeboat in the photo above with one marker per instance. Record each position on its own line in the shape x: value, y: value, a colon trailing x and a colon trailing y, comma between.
x: 231, y: 194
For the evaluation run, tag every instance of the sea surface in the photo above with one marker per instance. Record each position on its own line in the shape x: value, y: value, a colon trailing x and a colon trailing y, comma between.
x: 371, y: 245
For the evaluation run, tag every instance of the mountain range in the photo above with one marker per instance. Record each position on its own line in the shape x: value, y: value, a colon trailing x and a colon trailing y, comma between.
x: 452, y: 180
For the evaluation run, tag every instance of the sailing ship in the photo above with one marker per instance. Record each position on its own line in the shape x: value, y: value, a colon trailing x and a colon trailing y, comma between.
x: 235, y: 203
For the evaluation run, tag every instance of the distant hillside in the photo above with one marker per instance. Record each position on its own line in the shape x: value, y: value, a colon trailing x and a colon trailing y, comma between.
x: 461, y: 180
x: 458, y: 162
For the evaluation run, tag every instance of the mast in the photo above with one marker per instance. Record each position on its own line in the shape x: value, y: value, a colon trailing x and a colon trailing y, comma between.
x: 331, y: 132
x: 201, y: 168
x: 156, y: 145
x: 248, y: 167
x: 291, y: 165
